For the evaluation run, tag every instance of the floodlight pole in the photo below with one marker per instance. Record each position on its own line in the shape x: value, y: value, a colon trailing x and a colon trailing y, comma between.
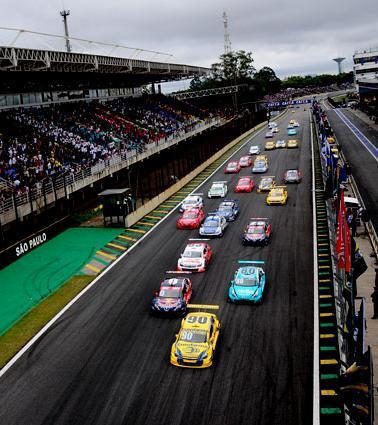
x: 65, y: 14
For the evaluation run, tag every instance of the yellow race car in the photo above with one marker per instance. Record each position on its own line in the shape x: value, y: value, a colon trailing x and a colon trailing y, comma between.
x: 277, y: 196
x: 292, y: 144
x: 261, y: 158
x: 291, y: 122
x: 195, y: 343
x: 266, y: 184
x: 270, y: 145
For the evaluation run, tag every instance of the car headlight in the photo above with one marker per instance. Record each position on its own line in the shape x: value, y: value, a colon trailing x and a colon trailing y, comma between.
x: 178, y: 353
x: 203, y: 355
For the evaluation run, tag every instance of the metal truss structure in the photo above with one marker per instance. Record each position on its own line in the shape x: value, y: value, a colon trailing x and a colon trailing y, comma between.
x: 205, y: 93
x: 29, y: 60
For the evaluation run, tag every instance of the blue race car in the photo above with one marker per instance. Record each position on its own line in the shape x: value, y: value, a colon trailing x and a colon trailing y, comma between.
x: 229, y: 209
x: 248, y: 284
x: 214, y: 225
x: 173, y: 297
x: 291, y: 132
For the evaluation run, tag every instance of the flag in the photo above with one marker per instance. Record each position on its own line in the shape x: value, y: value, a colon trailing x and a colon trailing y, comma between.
x: 340, y: 234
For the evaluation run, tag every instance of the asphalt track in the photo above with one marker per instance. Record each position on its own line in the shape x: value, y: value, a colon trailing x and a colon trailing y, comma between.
x: 106, y: 361
x: 363, y: 165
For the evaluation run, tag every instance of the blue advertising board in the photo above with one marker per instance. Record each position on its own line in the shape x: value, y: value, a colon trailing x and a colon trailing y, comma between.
x: 287, y: 103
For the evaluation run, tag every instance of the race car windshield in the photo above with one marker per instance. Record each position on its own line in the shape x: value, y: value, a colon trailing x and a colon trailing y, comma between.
x: 190, y: 215
x: 292, y: 173
x: 255, y: 230
x: 170, y: 293
x: 211, y: 223
x: 217, y: 189
x: 246, y: 281
x: 276, y: 193
x: 243, y: 182
x: 193, y: 336
x: 226, y: 208
x: 260, y: 164
x: 189, y: 201
x: 192, y: 254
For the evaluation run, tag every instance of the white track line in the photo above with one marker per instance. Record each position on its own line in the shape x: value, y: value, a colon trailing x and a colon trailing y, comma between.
x: 13, y: 360
x: 360, y: 136
x: 316, y: 398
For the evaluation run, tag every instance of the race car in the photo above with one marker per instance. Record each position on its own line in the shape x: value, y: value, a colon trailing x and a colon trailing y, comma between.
x: 195, y: 258
x: 290, y: 126
x: 191, y: 219
x: 272, y: 124
x: 291, y: 122
x: 266, y: 183
x: 292, y: 132
x: 232, y: 167
x: 268, y: 134
x: 292, y: 176
x: 248, y: 284
x: 254, y: 150
x: 244, y: 184
x: 275, y: 130
x: 292, y: 144
x: 191, y: 201
x: 196, y: 341
x: 277, y: 196
x: 173, y: 297
x: 270, y: 145
x: 218, y: 190
x: 229, y: 209
x: 214, y: 225
x: 245, y: 161
x: 296, y: 124
x: 261, y: 158
x: 260, y: 166
x: 257, y: 232
x: 280, y: 144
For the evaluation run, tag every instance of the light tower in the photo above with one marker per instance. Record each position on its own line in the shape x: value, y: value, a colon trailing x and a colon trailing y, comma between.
x: 227, y: 41
x: 338, y: 61
x: 65, y: 14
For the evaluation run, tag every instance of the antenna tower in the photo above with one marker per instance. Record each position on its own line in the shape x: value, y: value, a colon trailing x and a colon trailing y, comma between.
x: 64, y: 14
x: 227, y: 41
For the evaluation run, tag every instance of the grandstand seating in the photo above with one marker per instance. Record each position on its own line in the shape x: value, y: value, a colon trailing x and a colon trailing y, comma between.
x: 46, y: 142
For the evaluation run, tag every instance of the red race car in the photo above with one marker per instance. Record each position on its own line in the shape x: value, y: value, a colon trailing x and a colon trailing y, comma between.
x: 191, y: 219
x: 244, y: 184
x: 245, y: 161
x: 232, y: 167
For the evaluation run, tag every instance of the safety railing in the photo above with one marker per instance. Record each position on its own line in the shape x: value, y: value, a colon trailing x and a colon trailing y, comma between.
x: 16, y: 206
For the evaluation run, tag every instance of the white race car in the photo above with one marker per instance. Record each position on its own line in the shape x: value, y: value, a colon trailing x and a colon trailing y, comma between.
x: 196, y: 257
x: 218, y: 190
x: 254, y: 150
x: 191, y: 201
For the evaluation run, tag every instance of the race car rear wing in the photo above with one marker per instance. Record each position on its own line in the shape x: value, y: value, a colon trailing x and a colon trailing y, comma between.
x: 196, y: 194
x: 203, y: 306
x: 251, y: 262
x: 177, y: 272
x: 259, y: 218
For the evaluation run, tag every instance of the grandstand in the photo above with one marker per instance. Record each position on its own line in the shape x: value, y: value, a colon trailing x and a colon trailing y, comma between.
x: 71, y: 120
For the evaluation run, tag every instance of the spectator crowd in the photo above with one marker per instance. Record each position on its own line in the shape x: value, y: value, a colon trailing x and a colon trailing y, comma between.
x: 46, y: 142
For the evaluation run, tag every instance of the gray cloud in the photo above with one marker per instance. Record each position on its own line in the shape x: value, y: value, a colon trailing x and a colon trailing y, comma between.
x: 292, y: 37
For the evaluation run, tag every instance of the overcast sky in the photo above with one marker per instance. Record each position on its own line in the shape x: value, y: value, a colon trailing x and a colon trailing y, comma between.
x: 291, y: 36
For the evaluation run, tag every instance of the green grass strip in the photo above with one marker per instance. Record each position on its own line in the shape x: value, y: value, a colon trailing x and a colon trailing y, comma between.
x: 18, y: 335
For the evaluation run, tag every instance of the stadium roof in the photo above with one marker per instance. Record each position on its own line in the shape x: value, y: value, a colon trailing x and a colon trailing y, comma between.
x: 21, y: 59
x: 20, y: 66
